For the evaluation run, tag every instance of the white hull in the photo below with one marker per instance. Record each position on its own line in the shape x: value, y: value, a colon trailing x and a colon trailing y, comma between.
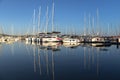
x: 99, y: 40
x: 7, y: 39
x: 70, y: 40
x: 119, y: 40
x: 51, y: 39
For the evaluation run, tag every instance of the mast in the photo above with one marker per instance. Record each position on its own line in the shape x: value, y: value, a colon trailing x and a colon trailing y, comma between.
x: 39, y: 16
x: 1, y: 30
x: 108, y: 30
x: 84, y: 24
x: 93, y: 26
x: 89, y: 25
x: 34, y: 22
x: 53, y: 16
x: 12, y: 29
x: 98, y: 29
x: 46, y: 19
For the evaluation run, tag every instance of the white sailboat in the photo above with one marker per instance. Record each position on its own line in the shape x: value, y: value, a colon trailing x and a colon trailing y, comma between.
x: 52, y: 37
x: 34, y: 38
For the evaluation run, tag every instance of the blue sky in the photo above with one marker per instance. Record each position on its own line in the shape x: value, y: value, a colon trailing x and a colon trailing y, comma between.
x: 16, y: 15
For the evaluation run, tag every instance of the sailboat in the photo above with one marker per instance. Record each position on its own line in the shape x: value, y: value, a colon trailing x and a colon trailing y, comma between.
x: 32, y: 39
x: 52, y: 37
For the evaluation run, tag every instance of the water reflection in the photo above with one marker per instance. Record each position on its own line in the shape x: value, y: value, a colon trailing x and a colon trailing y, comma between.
x: 57, y: 61
x: 71, y: 45
x: 54, y: 46
x: 101, y: 44
x: 45, y: 53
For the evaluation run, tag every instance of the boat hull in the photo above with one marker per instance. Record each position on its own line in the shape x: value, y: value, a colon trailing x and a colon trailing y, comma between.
x: 51, y: 39
x: 70, y: 40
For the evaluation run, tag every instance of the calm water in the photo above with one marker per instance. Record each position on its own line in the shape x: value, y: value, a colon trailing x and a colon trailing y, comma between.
x: 53, y: 61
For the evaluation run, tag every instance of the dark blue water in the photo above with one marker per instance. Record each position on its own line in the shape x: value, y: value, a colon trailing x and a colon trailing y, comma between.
x: 53, y: 61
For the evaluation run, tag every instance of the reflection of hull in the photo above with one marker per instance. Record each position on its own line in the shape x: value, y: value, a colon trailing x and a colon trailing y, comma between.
x: 28, y: 39
x: 51, y: 44
x: 101, y: 44
x: 27, y: 42
x: 17, y: 39
x: 34, y: 39
x: 71, y: 40
x: 71, y: 45
x: 9, y: 42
